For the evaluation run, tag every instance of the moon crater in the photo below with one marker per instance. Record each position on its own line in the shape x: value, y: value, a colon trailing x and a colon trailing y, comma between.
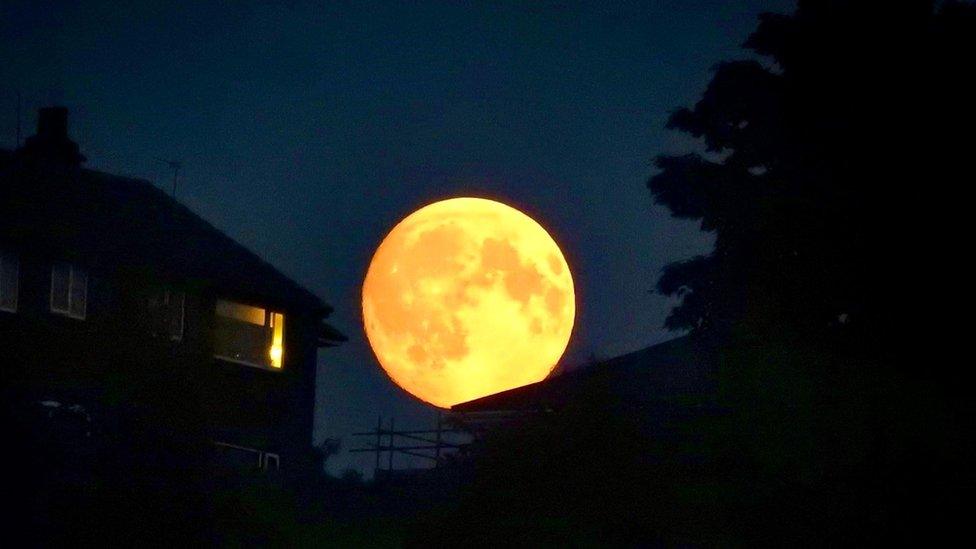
x: 467, y: 297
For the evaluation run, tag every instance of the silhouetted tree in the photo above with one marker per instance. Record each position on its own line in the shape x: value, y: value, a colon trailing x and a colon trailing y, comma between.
x: 352, y: 476
x: 326, y: 450
x: 832, y: 171
x: 832, y: 163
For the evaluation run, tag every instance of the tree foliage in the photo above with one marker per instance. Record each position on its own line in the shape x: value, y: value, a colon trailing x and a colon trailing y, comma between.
x: 833, y: 175
x: 829, y: 167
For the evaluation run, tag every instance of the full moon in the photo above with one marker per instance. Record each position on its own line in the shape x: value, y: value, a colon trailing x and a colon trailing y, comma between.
x: 465, y: 298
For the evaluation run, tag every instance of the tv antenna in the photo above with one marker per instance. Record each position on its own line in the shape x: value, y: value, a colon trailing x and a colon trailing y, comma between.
x: 175, y: 166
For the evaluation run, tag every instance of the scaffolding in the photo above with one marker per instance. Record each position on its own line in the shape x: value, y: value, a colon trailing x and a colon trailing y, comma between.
x: 415, y: 443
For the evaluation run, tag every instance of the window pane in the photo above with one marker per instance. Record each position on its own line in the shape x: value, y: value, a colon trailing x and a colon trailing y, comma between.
x: 241, y: 341
x: 240, y: 337
x: 177, y: 301
x: 9, y: 281
x: 60, y: 282
x: 79, y: 292
x: 239, y: 311
x: 277, y: 352
x: 155, y: 312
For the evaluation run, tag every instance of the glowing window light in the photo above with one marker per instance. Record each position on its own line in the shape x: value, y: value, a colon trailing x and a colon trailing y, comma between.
x: 249, y: 335
x: 239, y: 311
x: 277, y: 352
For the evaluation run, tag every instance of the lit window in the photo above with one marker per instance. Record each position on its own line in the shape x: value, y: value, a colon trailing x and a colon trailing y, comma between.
x: 166, y: 310
x: 249, y: 335
x: 69, y: 290
x: 9, y: 282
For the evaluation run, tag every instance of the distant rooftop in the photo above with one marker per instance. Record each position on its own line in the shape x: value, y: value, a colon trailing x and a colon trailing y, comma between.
x: 673, y: 369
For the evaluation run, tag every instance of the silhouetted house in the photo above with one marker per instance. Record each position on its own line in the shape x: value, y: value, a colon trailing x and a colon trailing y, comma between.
x: 658, y: 388
x: 120, y: 303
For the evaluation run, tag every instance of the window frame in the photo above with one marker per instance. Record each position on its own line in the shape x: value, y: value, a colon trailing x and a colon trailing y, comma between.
x: 182, y: 312
x: 15, y: 261
x: 275, y: 332
x: 161, y: 327
x: 72, y: 269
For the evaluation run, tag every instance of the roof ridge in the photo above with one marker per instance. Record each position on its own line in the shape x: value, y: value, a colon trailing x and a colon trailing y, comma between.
x: 187, y: 212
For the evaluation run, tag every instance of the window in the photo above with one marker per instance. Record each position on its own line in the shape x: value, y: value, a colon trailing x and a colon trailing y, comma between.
x: 243, y: 457
x: 269, y: 460
x: 249, y: 335
x: 69, y: 290
x: 9, y: 282
x: 167, y: 310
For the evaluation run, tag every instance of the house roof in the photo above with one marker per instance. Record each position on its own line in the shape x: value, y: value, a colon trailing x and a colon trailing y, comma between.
x: 109, y: 219
x: 667, y: 371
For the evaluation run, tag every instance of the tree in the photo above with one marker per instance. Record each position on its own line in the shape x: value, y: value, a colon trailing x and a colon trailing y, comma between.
x: 834, y: 167
x: 326, y: 450
x: 831, y: 166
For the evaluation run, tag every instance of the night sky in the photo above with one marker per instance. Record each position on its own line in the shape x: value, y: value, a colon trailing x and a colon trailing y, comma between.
x: 308, y: 131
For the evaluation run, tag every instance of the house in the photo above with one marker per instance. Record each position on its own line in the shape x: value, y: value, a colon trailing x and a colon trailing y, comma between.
x: 659, y: 389
x: 118, y: 302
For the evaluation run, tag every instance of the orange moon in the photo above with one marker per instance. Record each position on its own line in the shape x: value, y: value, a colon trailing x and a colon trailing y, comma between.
x: 465, y: 298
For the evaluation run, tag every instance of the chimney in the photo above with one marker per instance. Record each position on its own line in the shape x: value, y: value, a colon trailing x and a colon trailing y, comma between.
x: 52, y: 123
x: 51, y: 145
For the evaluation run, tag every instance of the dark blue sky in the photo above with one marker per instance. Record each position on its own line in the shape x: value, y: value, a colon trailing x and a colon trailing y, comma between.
x: 308, y: 131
